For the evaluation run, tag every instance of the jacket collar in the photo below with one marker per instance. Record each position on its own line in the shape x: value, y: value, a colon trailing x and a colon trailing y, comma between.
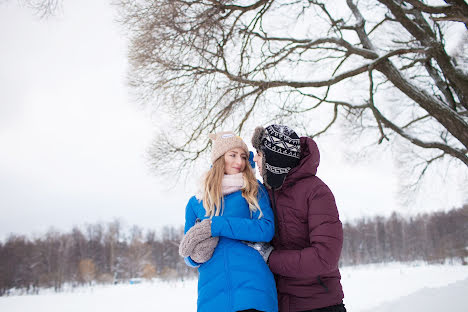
x: 308, y: 164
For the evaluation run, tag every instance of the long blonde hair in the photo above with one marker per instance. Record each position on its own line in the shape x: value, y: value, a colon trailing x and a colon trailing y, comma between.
x: 213, y: 199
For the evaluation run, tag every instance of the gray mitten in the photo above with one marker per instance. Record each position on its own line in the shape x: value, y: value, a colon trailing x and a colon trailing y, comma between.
x: 263, y: 248
x: 199, y: 232
x: 204, y: 250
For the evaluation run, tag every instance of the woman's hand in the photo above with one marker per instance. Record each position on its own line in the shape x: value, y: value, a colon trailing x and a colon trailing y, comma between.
x: 203, y: 251
x: 197, y: 233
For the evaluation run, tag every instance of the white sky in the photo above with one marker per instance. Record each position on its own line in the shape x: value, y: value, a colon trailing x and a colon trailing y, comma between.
x: 73, y: 146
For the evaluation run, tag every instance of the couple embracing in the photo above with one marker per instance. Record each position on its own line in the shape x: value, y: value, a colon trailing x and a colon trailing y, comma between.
x: 272, y: 247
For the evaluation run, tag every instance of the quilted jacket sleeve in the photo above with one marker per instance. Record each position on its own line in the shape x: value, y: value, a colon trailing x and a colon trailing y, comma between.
x: 190, y: 219
x: 254, y: 229
x: 325, y: 241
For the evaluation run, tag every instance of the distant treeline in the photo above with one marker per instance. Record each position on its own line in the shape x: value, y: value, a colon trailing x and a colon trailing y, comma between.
x: 433, y: 238
x: 96, y: 253
x: 106, y: 253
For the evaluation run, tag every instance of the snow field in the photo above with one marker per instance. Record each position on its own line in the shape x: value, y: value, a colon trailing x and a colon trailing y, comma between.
x: 147, y: 296
x: 378, y: 287
x: 370, y: 286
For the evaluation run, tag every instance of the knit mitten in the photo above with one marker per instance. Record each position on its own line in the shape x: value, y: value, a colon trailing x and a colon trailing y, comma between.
x: 197, y: 233
x: 263, y: 248
x: 204, y: 250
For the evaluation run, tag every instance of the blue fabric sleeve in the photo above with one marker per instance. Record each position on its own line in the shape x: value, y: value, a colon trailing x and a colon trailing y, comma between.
x: 191, y: 263
x: 190, y: 216
x: 254, y: 229
x: 190, y: 219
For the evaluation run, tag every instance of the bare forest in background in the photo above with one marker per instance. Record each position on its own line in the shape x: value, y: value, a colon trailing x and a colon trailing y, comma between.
x: 107, y: 253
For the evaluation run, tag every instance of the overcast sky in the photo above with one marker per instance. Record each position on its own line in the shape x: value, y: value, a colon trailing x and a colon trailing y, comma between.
x: 73, y: 145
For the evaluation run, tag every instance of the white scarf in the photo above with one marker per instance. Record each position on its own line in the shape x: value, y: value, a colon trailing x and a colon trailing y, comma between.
x: 232, y: 183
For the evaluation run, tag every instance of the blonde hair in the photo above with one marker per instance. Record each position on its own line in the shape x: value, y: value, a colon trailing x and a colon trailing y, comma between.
x: 213, y: 199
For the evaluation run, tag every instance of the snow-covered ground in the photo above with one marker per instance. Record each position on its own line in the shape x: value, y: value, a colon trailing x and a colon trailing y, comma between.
x: 391, y: 287
x: 400, y: 287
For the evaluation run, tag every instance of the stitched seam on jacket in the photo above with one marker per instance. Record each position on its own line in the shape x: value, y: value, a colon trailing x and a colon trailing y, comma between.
x: 228, y: 281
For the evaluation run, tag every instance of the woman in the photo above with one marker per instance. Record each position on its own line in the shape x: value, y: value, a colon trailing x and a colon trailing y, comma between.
x: 232, y: 207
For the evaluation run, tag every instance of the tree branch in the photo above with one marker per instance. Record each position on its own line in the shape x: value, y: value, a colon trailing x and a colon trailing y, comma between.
x: 415, y: 121
x: 335, y: 116
x: 251, y: 7
x: 427, y: 38
x: 443, y: 9
x: 307, y: 43
x: 374, y: 109
x: 457, y: 153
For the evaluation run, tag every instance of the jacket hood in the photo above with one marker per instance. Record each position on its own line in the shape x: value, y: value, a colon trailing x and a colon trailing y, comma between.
x: 308, y: 164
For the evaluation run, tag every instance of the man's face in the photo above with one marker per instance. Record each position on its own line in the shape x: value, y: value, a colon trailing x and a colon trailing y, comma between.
x: 258, y: 158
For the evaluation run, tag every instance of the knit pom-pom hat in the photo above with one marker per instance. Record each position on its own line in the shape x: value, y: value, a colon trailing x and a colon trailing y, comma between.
x: 224, y: 142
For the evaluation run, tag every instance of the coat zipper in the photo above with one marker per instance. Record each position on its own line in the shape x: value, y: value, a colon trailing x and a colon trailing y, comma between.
x: 228, y: 281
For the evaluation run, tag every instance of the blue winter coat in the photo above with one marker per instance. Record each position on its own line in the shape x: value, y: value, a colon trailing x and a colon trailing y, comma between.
x: 236, y: 277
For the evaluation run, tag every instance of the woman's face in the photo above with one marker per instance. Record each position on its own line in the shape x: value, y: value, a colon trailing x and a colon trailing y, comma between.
x: 235, y: 161
x: 258, y: 161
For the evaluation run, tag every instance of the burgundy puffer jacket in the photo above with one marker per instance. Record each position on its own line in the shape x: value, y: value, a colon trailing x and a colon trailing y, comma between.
x: 308, y: 240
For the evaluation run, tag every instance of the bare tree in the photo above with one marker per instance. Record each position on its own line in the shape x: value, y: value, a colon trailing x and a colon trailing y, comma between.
x: 111, y: 240
x: 87, y: 270
x: 380, y: 66
x: 138, y: 254
x: 42, y: 8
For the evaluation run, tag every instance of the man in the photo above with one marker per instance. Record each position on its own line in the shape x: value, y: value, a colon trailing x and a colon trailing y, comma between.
x: 309, y: 234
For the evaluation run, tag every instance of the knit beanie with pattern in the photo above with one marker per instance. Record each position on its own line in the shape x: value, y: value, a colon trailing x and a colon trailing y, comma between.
x: 281, y: 150
x: 224, y: 142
